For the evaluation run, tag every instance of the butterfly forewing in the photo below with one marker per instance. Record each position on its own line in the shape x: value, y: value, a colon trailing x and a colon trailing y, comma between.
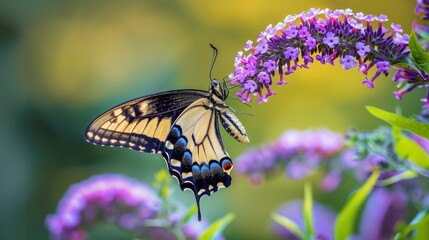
x: 141, y: 124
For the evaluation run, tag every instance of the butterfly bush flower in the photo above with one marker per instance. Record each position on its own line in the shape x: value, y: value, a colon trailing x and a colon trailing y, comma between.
x: 422, y: 29
x: 422, y: 8
x: 300, y: 152
x: 116, y: 198
x: 128, y: 203
x: 357, y: 40
x: 407, y: 78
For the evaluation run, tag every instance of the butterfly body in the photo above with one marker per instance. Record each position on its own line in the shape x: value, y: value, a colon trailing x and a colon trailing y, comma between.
x: 183, y: 126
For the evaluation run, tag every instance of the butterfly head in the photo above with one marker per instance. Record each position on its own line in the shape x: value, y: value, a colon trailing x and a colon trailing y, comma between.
x: 218, y: 89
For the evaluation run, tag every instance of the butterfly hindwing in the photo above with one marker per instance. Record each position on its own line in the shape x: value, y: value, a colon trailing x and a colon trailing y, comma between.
x: 141, y: 124
x: 195, y: 153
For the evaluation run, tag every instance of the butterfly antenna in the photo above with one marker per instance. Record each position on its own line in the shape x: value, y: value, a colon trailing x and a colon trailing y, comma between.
x: 237, y: 99
x: 226, y: 77
x: 237, y: 112
x: 215, y: 51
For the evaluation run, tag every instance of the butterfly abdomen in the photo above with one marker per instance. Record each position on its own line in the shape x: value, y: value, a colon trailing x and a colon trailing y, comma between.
x: 233, y: 126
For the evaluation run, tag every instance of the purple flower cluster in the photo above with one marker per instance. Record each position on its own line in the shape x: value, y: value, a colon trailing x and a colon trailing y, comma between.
x: 301, y: 151
x: 408, y: 79
x: 423, y: 8
x: 342, y: 34
x: 116, y: 198
x: 123, y: 201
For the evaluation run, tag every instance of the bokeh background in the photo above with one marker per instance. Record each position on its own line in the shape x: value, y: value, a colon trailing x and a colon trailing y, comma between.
x: 64, y: 62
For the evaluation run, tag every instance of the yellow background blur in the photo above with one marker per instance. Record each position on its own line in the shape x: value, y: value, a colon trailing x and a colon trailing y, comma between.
x: 64, y: 62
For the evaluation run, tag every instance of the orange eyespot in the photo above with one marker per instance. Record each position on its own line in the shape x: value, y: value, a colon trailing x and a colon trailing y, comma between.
x: 227, y: 166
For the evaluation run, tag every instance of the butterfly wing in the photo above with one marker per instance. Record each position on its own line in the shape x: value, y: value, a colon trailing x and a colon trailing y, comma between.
x: 141, y: 124
x: 180, y: 124
x: 195, y: 153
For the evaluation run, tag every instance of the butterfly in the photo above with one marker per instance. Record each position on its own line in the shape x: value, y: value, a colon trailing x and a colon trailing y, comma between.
x: 183, y: 126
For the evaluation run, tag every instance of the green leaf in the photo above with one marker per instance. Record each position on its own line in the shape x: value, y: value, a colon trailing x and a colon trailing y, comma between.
x: 418, y: 224
x: 396, y: 178
x: 191, y: 212
x: 404, y: 64
x: 399, y: 121
x: 408, y: 149
x: 408, y: 63
x: 307, y: 209
x: 216, y: 228
x: 418, y: 53
x: 422, y: 230
x: 423, y: 34
x: 288, y: 224
x: 348, y: 215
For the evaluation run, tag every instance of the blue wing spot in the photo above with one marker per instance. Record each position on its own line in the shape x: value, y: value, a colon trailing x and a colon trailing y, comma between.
x: 196, y: 169
x: 204, y: 168
x: 218, y: 175
x: 206, y: 174
x: 174, y: 134
x: 187, y: 161
x: 214, y: 166
x: 179, y: 148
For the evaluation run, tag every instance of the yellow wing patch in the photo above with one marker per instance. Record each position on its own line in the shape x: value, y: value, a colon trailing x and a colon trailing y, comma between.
x: 125, y: 126
x: 198, y: 126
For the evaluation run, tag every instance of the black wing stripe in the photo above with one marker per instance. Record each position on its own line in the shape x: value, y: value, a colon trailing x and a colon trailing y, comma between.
x: 126, y: 115
x: 102, y: 131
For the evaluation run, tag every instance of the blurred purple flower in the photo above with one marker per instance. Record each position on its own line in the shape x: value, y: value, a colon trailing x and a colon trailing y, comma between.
x: 409, y: 79
x: 255, y: 162
x: 301, y: 151
x: 322, y: 142
x: 323, y: 218
x: 339, y: 34
x: 331, y: 180
x: 422, y: 7
x: 298, y: 170
x: 194, y: 228
x: 384, y: 209
x: 112, y: 197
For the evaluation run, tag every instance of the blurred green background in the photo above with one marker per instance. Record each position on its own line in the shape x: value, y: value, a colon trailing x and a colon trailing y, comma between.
x: 64, y: 62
